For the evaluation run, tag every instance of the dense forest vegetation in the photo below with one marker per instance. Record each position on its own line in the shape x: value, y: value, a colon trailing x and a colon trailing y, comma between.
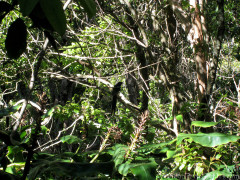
x: 120, y: 89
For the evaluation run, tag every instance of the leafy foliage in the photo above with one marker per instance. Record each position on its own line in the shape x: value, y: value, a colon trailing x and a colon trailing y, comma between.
x: 209, y: 140
x: 16, y: 39
x: 26, y: 6
x: 54, y: 13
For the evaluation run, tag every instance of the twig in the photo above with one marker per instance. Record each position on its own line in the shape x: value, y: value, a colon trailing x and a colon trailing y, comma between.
x: 102, y: 146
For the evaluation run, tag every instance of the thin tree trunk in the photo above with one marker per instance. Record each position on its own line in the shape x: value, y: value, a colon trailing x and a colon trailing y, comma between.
x: 140, y: 55
x: 216, y: 50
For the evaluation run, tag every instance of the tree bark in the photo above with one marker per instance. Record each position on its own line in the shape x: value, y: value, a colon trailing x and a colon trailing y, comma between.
x: 140, y: 54
x: 216, y: 50
x: 201, y: 55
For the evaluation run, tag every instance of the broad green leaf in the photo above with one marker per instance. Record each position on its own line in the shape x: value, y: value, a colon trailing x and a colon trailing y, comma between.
x: 179, y: 118
x: 208, y: 140
x: 53, y: 10
x: 12, y: 170
x: 70, y: 139
x: 145, y: 171
x: 215, y: 174
x: 26, y: 6
x: 119, y: 153
x: 16, y: 41
x: 23, y: 134
x: 124, y: 168
x: 142, y: 170
x: 170, y: 153
x: 89, y: 6
x: 15, y: 154
x: 204, y: 124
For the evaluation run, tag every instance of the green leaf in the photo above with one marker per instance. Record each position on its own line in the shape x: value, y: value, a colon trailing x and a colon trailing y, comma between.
x: 89, y: 6
x: 142, y: 170
x: 15, y: 154
x: 149, y: 148
x: 53, y: 10
x: 119, y: 153
x: 170, y: 153
x: 215, y: 174
x: 16, y: 41
x: 179, y: 118
x: 123, y: 168
x: 48, y: 113
x: 208, y: 140
x: 44, y: 129
x: 7, y: 111
x: 26, y: 6
x: 145, y: 171
x: 204, y: 124
x: 23, y: 134
x: 70, y: 139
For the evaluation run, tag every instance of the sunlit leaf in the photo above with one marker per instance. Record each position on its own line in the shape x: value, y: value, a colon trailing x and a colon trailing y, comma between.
x: 44, y: 129
x: 170, y: 153
x: 209, y: 140
x: 214, y: 174
x: 179, y: 118
x: 204, y: 124
x: 70, y: 139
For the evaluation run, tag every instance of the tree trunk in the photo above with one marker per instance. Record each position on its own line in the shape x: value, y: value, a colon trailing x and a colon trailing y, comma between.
x: 200, y: 48
x: 140, y: 54
x: 217, y: 47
